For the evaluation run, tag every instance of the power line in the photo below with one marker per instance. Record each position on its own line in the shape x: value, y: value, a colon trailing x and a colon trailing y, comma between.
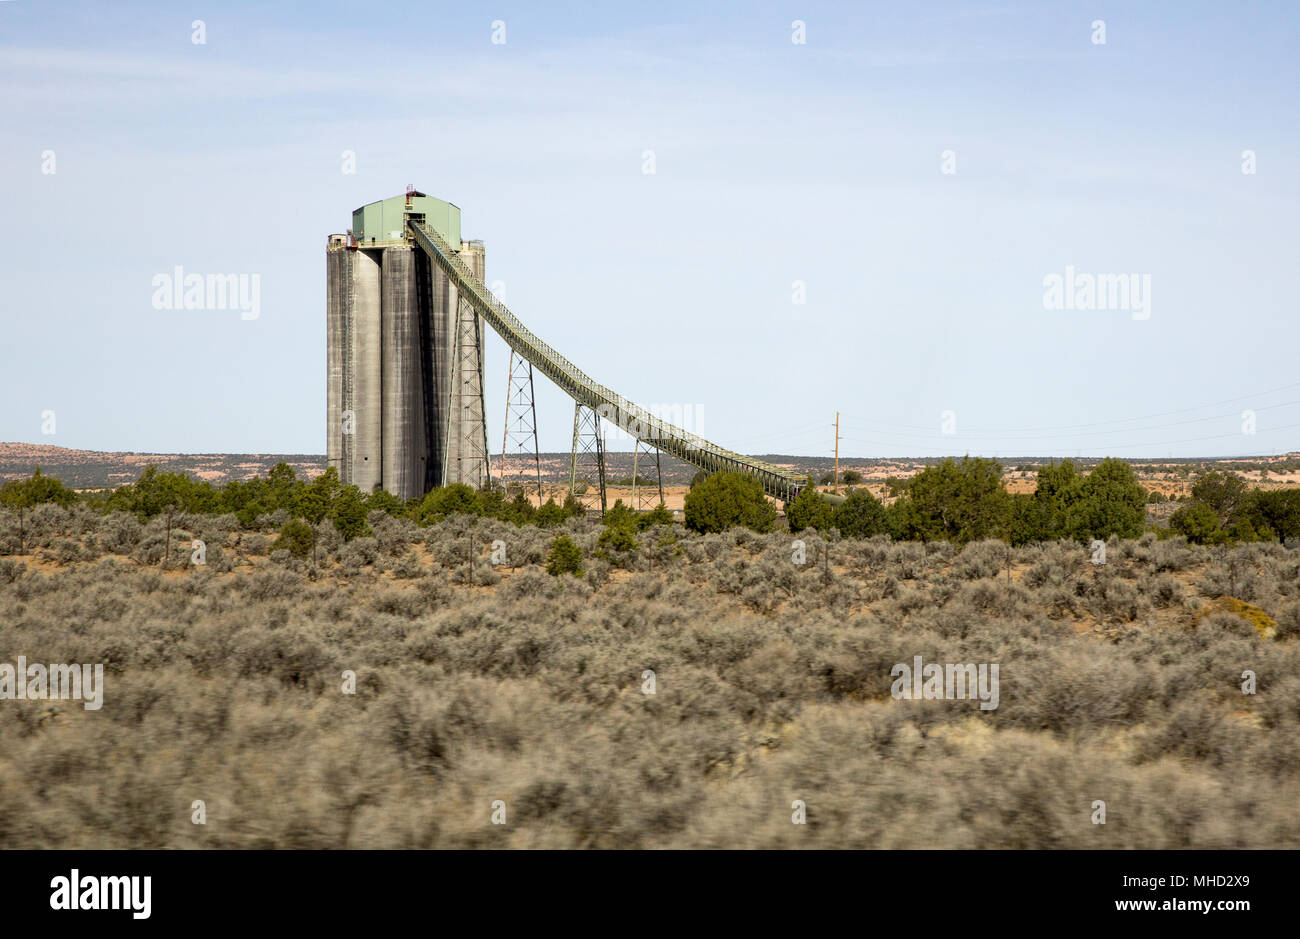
x: 1122, y: 420
x: 988, y: 435
x: 802, y: 431
x: 1122, y: 446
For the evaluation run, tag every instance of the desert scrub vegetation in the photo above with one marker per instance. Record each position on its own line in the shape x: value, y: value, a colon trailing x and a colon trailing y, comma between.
x: 481, y: 675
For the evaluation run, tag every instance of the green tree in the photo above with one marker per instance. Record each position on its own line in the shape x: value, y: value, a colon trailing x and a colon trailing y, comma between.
x: 283, y: 488
x: 1277, y: 510
x: 959, y: 501
x: 318, y: 496
x: 620, y: 515
x: 565, y: 557
x: 1243, y: 529
x: 248, y: 514
x: 860, y: 515
x: 492, y: 503
x: 22, y: 495
x: 659, y: 515
x: 38, y: 489
x: 1047, y: 516
x: 455, y: 499
x: 157, y: 492
x: 522, y: 509
x: 238, y: 497
x: 384, y: 501
x: 1030, y: 519
x: 1058, y: 483
x: 1221, y: 492
x: 618, y: 538
x: 809, y: 509
x: 620, y: 530
x: 851, y: 477
x: 1111, y: 502
x: 348, y: 513
x: 297, y: 538
x: 903, y: 521
x: 549, y: 515
x: 1198, y: 523
x: 727, y: 499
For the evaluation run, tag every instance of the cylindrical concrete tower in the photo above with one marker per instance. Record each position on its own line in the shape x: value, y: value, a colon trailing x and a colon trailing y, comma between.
x: 336, y: 300
x: 367, y: 385
x: 403, y: 419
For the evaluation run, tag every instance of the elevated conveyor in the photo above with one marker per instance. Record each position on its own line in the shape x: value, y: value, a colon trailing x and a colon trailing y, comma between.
x: 635, y: 420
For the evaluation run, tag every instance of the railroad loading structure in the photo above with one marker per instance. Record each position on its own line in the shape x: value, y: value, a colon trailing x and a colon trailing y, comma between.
x: 404, y: 353
x: 406, y: 304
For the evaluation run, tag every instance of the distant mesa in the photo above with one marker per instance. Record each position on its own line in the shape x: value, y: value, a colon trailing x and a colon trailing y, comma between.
x: 95, y: 469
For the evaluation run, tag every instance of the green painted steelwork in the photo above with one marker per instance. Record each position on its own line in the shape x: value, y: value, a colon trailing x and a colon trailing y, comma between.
x: 637, y: 421
x: 385, y: 221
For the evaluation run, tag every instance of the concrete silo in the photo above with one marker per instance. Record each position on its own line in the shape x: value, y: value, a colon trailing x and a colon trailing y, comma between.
x: 405, y: 356
x: 403, y: 393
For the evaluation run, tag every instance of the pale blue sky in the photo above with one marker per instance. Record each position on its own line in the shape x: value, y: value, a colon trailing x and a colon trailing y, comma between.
x: 775, y: 163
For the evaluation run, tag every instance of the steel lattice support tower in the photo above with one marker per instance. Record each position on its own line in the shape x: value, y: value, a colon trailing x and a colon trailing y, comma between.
x: 521, y: 422
x: 472, y: 460
x: 589, y: 451
x: 645, y: 498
